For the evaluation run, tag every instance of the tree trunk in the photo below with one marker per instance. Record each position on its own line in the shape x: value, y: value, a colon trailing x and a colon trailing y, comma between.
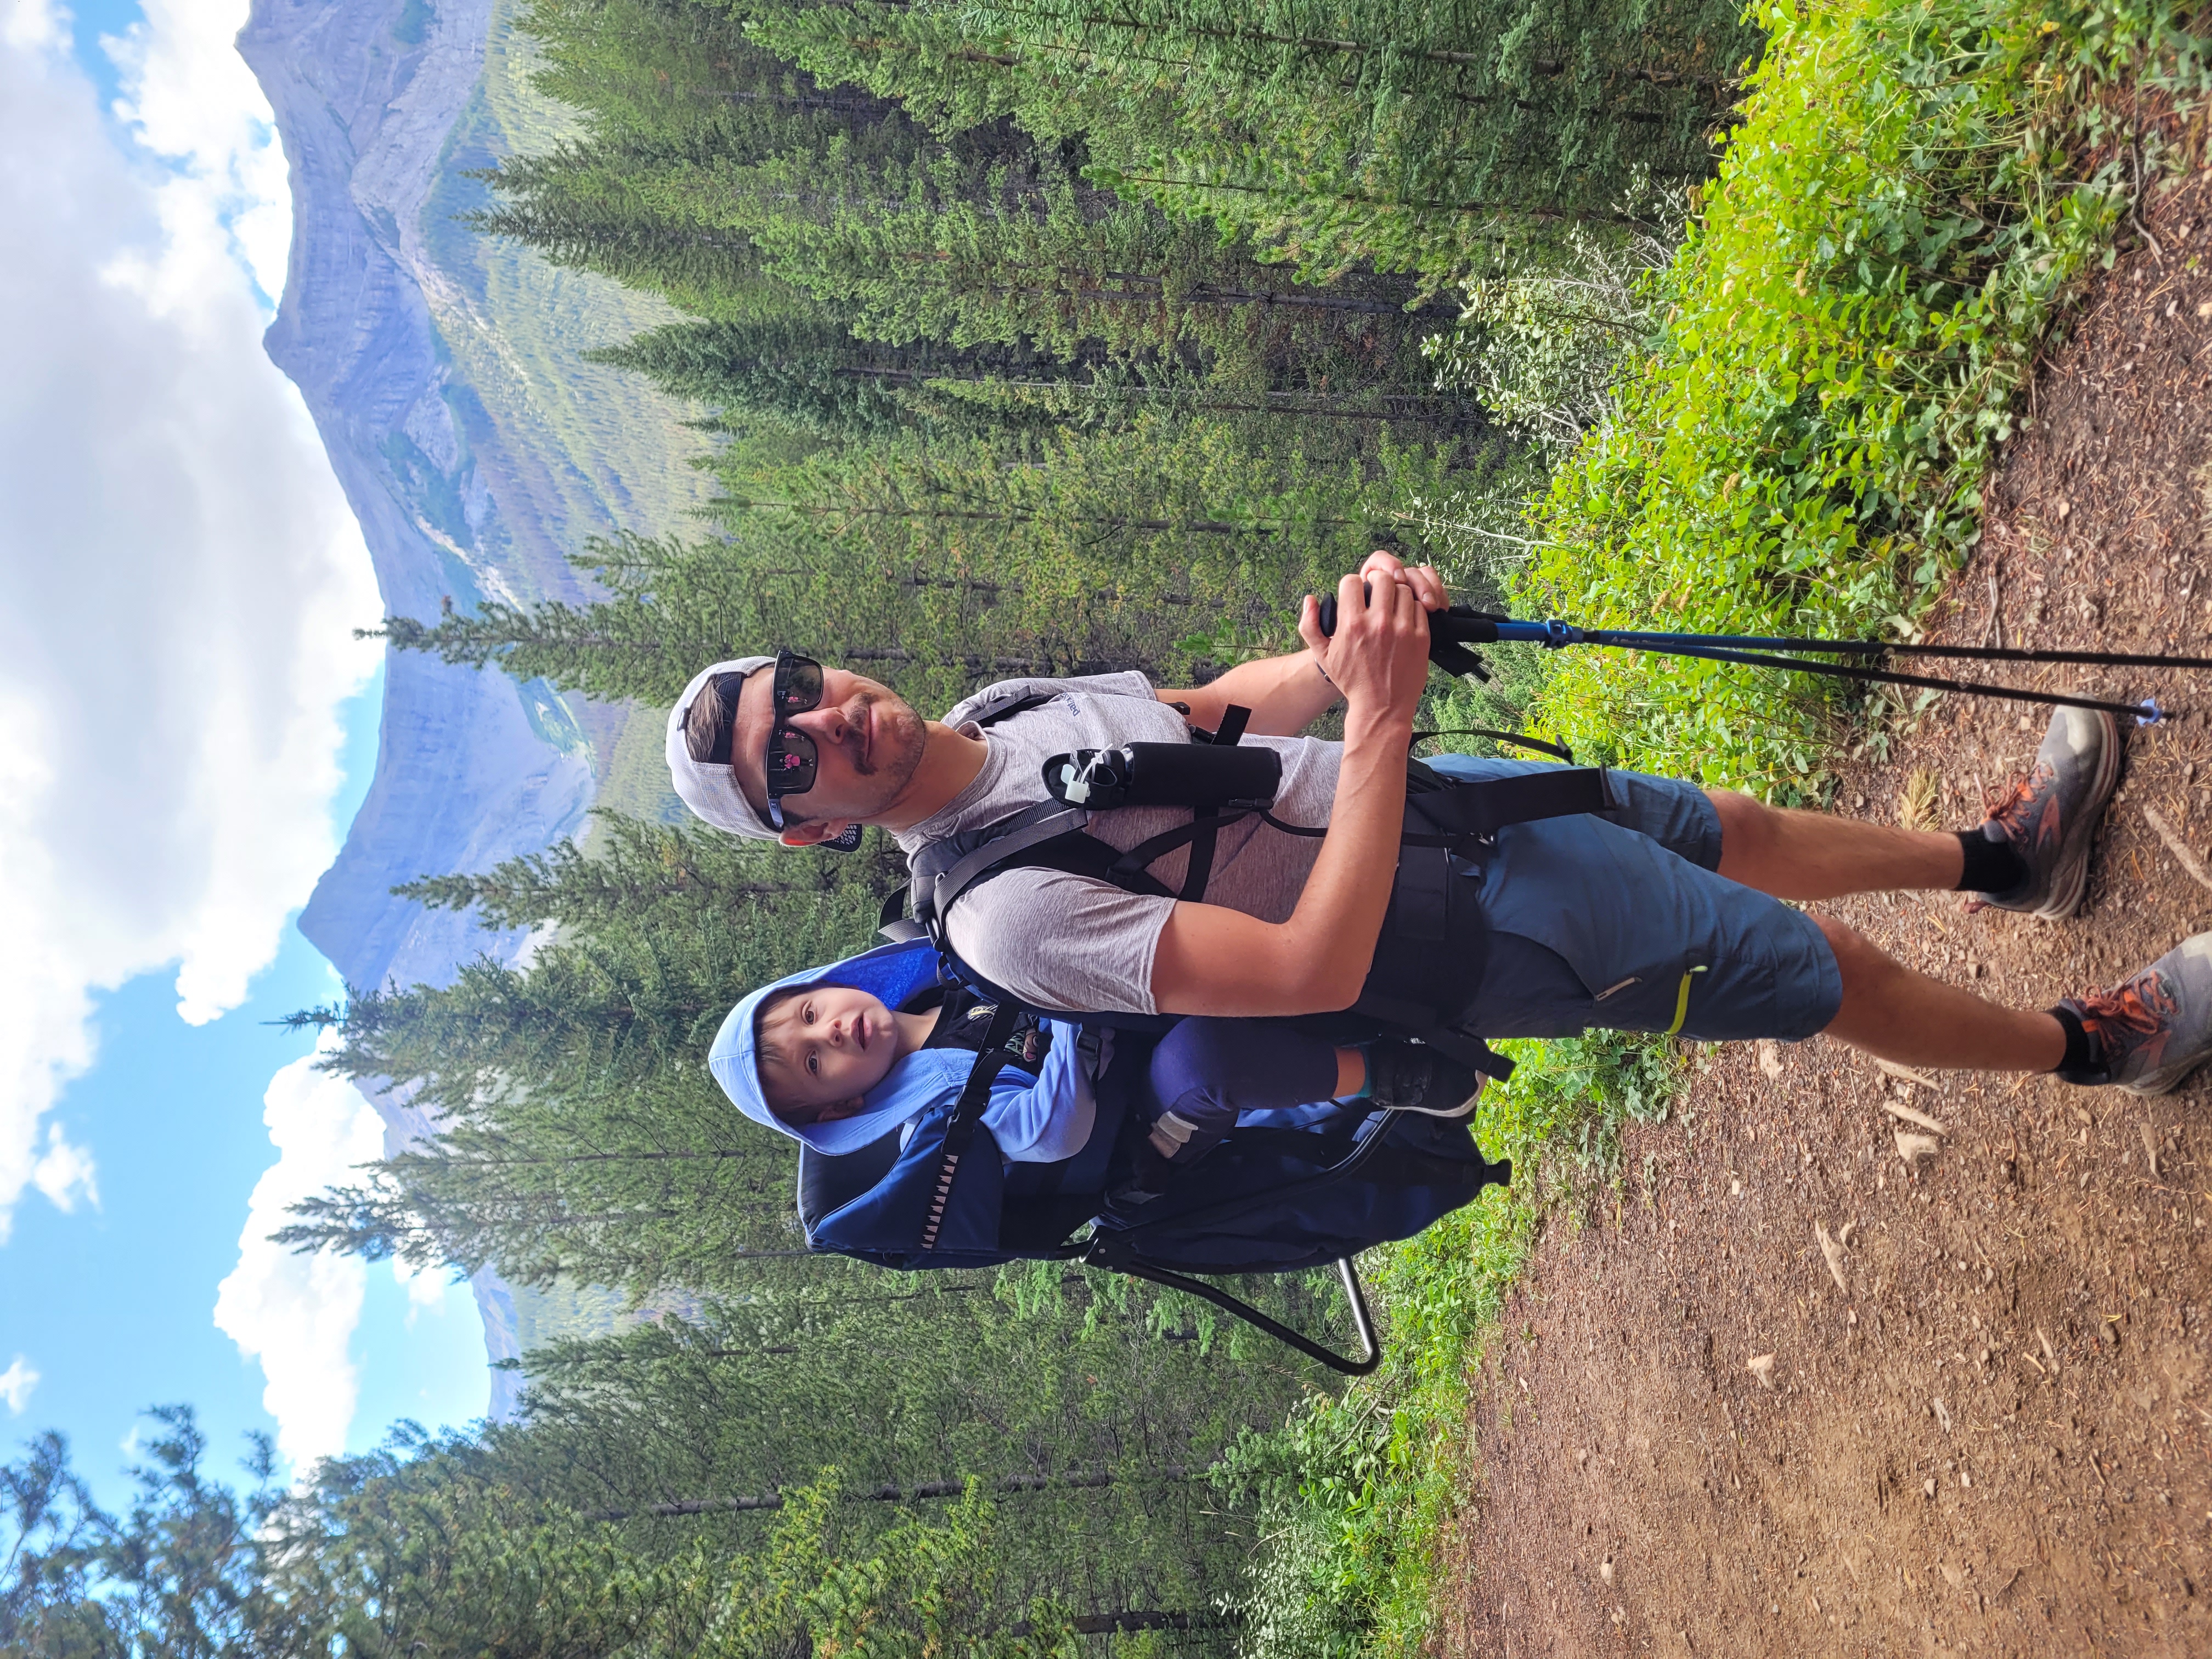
x: 1076, y: 1480
x: 1201, y: 526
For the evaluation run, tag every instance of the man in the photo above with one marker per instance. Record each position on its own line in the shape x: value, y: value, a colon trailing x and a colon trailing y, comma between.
x: 1661, y: 916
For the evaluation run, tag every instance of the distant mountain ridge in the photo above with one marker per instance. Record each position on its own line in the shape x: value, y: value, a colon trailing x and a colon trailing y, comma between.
x: 475, y: 446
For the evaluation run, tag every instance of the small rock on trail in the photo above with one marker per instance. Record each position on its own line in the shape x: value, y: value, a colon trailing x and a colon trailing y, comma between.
x: 1913, y: 1148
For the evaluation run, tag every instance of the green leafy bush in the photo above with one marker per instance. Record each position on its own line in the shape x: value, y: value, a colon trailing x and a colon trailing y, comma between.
x: 1544, y: 346
x: 1915, y: 189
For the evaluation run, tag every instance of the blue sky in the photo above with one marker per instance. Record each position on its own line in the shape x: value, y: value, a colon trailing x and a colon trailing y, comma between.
x: 88, y: 21
x: 186, y: 727
x: 117, y: 1315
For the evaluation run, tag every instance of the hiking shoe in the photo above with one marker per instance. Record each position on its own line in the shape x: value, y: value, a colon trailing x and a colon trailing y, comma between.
x: 2050, y: 816
x: 1412, y: 1077
x: 2148, y: 1034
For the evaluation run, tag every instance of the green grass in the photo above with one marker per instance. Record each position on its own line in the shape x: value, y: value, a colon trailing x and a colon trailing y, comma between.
x: 1916, y: 189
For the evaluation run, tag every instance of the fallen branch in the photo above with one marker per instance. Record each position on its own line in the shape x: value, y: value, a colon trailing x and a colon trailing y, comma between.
x: 2174, y: 844
x: 1911, y: 1116
x: 1906, y: 1074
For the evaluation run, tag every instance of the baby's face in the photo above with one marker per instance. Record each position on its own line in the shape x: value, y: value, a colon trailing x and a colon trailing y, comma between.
x: 836, y: 1043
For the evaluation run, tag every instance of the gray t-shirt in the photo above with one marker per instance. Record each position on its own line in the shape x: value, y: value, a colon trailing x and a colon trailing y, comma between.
x: 1066, y: 941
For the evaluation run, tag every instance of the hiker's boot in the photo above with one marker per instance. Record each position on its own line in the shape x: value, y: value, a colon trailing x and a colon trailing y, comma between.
x: 1412, y: 1077
x: 2148, y: 1034
x: 2050, y: 817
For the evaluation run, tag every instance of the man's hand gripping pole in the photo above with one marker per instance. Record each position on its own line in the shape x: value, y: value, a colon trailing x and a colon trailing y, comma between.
x: 1450, y: 632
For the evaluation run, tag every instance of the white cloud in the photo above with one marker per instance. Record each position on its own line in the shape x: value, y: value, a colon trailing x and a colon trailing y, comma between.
x: 33, y: 26
x: 188, y: 96
x: 426, y: 1287
x: 64, y: 1172
x: 15, y: 1385
x: 296, y: 1314
x: 179, y: 571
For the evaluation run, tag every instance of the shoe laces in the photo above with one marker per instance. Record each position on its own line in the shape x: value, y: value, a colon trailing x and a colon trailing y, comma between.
x: 2010, y: 807
x: 2138, y: 1009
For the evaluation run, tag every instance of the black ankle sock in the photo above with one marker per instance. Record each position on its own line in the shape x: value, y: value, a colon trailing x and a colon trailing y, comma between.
x: 2080, y: 1064
x: 1991, y: 866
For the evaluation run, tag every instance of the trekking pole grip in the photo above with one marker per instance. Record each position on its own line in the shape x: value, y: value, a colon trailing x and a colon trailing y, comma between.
x: 1450, y: 632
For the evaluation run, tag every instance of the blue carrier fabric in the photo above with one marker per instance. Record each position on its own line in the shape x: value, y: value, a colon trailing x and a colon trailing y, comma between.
x: 1284, y: 1191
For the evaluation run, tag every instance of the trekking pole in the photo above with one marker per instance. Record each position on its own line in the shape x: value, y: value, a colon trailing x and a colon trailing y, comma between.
x: 1451, y: 632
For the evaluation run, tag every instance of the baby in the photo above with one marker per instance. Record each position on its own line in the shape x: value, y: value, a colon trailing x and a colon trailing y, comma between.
x: 839, y: 1056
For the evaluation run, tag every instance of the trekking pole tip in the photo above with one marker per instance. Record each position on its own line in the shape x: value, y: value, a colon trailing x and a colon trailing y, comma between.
x: 2152, y: 714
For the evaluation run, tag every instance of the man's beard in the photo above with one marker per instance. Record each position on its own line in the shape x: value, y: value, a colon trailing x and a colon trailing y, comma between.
x: 895, y: 756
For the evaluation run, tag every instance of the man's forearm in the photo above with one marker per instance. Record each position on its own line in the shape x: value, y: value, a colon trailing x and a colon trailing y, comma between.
x: 1339, y: 912
x: 1212, y: 960
x: 1285, y: 695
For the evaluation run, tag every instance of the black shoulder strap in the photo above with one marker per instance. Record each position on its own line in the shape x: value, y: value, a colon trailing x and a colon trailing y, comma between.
x: 936, y: 889
x: 1056, y: 841
x: 1131, y: 867
x: 1050, y: 835
x: 1205, y: 828
x: 892, y: 917
x: 1518, y: 739
x: 1007, y: 710
x: 1230, y: 733
x: 967, y: 1113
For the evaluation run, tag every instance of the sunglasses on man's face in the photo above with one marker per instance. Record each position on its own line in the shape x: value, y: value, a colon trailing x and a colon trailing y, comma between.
x: 792, y: 758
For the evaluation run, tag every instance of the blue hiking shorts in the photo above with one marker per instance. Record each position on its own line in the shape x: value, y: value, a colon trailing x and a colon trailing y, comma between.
x: 1622, y: 922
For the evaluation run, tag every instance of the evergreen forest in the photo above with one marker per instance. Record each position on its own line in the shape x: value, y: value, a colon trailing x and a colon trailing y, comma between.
x: 1061, y: 336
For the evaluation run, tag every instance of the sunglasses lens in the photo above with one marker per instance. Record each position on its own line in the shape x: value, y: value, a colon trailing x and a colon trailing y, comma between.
x: 792, y: 760
x: 799, y: 686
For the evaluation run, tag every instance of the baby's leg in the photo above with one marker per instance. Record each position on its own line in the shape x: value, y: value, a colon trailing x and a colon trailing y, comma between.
x: 1205, y: 1071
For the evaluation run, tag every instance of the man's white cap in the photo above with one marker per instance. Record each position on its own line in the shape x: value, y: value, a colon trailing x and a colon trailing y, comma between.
x: 710, y: 787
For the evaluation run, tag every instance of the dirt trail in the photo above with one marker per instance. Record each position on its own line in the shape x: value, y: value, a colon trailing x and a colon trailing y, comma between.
x: 1995, y: 1439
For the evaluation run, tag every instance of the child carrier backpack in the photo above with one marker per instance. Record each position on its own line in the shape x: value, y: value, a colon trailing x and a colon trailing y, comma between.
x: 1274, y: 1196
x: 1289, y: 1191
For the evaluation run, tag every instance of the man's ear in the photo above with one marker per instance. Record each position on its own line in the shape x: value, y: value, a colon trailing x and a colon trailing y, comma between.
x: 813, y: 832
x: 837, y: 1109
